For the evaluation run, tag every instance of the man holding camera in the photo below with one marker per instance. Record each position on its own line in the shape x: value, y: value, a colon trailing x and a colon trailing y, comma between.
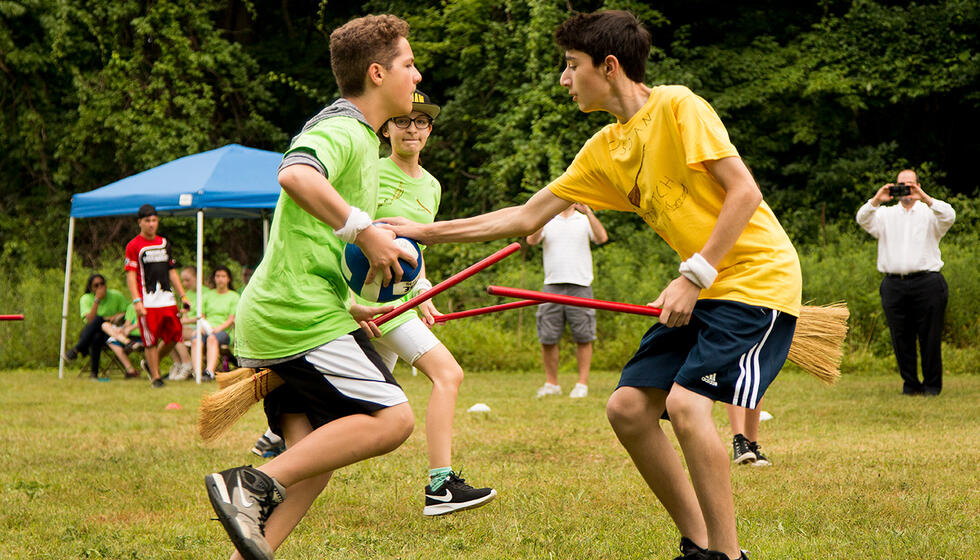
x: 913, y: 291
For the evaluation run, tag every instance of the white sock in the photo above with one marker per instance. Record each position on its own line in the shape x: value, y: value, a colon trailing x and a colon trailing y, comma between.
x: 272, y: 437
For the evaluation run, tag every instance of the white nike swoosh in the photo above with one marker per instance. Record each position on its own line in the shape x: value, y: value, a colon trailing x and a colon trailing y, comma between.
x: 447, y: 498
x: 241, y: 493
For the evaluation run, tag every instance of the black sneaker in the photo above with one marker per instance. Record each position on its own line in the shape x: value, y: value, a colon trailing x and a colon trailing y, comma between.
x: 156, y: 383
x: 760, y: 459
x: 244, y: 498
x: 741, y: 452
x: 715, y: 555
x: 70, y: 355
x: 690, y: 551
x: 455, y: 495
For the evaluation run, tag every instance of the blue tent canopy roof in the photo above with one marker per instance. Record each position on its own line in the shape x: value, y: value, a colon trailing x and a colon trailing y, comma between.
x: 232, y: 181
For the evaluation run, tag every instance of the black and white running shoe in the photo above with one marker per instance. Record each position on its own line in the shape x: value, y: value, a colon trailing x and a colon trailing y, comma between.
x: 690, y: 551
x: 760, y: 459
x: 741, y: 452
x: 244, y: 498
x: 715, y: 555
x: 265, y: 447
x: 455, y: 495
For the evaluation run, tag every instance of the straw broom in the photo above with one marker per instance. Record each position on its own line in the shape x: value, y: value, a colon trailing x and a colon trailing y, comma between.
x: 817, y: 348
x: 229, y: 378
x: 219, y: 411
x: 818, y: 343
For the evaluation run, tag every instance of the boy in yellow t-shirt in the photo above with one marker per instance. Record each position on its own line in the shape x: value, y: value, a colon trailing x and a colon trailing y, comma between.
x: 728, y: 318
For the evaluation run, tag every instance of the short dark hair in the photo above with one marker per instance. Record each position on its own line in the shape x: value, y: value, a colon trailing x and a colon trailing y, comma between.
x: 146, y: 211
x: 612, y: 32
x: 361, y: 42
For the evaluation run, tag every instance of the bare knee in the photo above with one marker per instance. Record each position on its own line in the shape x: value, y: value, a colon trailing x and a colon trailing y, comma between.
x: 625, y: 408
x: 449, y: 378
x: 398, y: 423
x: 683, y: 407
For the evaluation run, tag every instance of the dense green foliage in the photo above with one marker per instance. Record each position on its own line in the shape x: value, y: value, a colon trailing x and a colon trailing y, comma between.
x: 825, y: 99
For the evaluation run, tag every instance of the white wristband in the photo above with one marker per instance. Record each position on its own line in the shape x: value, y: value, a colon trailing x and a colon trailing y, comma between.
x: 421, y: 285
x: 357, y: 221
x: 699, y: 271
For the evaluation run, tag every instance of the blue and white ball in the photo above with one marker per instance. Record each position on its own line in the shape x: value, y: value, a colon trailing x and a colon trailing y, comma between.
x: 355, y: 267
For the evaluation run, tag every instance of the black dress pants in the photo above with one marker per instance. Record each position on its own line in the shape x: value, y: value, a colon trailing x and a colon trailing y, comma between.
x: 914, y: 308
x: 91, y: 341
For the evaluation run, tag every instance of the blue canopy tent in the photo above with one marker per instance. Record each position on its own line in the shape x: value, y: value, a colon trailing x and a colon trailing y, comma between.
x: 232, y: 182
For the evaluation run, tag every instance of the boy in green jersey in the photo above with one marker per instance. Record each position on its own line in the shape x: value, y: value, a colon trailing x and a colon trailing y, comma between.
x: 339, y: 404
x: 406, y: 189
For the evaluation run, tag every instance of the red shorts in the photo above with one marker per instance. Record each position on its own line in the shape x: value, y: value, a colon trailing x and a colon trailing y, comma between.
x: 160, y: 323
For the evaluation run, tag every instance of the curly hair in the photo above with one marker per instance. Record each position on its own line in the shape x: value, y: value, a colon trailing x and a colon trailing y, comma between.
x: 361, y: 42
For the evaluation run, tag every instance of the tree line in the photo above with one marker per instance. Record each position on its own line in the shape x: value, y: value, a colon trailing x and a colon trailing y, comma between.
x: 825, y: 99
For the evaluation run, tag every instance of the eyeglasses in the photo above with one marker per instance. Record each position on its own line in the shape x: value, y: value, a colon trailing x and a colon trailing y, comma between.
x: 421, y: 123
x: 98, y: 284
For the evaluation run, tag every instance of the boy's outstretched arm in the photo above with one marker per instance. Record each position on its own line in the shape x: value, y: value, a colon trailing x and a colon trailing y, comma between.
x: 314, y: 193
x: 515, y: 221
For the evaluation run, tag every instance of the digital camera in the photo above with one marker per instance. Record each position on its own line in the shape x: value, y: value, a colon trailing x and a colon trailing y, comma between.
x: 901, y: 189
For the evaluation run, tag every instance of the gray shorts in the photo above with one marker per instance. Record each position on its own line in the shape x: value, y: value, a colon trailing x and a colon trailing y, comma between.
x: 551, y: 317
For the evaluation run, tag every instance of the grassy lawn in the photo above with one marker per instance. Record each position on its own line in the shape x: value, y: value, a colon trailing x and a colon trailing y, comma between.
x: 103, y: 470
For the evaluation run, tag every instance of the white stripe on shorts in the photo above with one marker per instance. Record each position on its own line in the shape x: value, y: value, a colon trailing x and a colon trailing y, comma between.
x: 747, y: 387
x: 146, y: 332
x: 345, y: 366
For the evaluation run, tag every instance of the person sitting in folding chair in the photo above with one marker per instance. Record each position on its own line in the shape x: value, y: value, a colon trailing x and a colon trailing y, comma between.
x: 97, y: 305
x: 219, y: 324
x: 124, y: 339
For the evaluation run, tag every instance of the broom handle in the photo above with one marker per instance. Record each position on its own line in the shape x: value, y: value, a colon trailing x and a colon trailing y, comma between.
x: 483, y: 310
x: 448, y: 283
x: 574, y: 300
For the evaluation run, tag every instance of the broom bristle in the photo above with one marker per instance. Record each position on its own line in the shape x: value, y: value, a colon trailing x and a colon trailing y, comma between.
x: 818, y: 343
x: 229, y: 378
x: 219, y: 411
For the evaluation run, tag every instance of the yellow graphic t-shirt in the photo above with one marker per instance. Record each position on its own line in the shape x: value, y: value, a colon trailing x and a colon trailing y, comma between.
x: 653, y: 165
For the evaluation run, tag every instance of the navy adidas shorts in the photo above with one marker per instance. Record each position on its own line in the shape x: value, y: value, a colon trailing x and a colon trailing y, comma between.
x: 342, y: 377
x: 729, y: 352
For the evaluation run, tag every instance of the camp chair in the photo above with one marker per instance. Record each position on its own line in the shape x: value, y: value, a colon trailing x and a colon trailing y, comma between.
x: 110, y: 361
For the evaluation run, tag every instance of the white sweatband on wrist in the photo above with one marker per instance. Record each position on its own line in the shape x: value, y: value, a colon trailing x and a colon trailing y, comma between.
x: 699, y: 271
x: 357, y: 221
x: 421, y: 285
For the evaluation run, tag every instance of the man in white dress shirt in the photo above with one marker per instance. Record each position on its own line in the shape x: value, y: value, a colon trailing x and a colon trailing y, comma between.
x: 567, y: 271
x: 913, y: 292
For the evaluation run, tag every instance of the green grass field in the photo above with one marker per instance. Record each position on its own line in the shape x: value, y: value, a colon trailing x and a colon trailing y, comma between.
x: 102, y: 470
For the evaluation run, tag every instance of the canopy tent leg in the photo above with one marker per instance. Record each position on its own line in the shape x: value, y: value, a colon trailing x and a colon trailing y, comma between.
x: 265, y: 230
x: 64, y: 302
x: 200, y: 298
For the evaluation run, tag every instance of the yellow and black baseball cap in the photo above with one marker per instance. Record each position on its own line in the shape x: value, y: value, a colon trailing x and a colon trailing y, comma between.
x: 423, y: 104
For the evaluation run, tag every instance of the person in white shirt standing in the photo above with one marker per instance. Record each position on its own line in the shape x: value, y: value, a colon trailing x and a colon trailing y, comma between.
x: 913, y: 291
x: 567, y: 271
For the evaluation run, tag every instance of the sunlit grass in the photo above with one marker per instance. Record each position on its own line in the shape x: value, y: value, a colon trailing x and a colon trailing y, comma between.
x: 103, y: 470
